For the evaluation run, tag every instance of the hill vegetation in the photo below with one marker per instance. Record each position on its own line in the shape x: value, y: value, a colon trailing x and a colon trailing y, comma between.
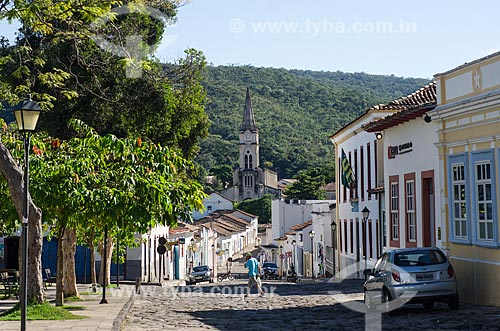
x: 295, y: 110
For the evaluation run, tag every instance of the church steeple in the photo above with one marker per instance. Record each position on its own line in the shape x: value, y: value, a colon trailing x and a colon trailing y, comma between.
x: 248, y: 118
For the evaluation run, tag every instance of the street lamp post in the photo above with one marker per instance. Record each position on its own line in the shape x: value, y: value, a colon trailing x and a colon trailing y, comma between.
x: 281, y: 261
x: 214, y: 271
x: 333, y: 225
x: 366, y: 214
x: 294, y: 244
x: 118, y: 259
x: 192, y: 249
x: 103, y: 265
x: 27, y: 113
x: 311, y: 235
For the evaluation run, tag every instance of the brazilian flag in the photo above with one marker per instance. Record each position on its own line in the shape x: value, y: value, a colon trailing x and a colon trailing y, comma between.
x: 347, y: 173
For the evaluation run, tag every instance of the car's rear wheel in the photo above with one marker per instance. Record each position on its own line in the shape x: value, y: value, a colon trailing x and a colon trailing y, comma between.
x: 428, y: 305
x: 453, y: 302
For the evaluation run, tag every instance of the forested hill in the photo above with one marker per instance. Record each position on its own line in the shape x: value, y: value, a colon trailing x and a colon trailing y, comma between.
x: 296, y: 111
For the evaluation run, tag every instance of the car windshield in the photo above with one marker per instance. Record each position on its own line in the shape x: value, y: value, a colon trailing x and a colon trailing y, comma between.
x: 270, y: 265
x: 198, y: 269
x: 419, y: 258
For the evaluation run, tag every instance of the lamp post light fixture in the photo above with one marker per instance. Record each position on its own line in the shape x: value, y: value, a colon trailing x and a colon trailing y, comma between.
x: 26, y: 113
x: 333, y: 225
x: 366, y: 214
x: 311, y: 235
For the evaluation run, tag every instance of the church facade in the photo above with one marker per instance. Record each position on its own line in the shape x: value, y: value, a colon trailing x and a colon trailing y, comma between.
x: 250, y: 181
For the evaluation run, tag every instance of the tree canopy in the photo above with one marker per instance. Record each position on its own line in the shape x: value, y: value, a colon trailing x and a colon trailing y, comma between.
x: 259, y: 207
x: 58, y: 60
x: 309, y: 186
x: 92, y: 61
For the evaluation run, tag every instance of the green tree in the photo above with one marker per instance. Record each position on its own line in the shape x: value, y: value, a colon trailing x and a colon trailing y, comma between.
x: 56, y: 60
x: 309, y: 186
x: 93, y: 181
x: 224, y: 176
x: 260, y: 207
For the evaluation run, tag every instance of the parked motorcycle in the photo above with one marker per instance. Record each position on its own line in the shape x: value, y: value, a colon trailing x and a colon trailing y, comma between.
x: 292, y: 276
x: 226, y: 275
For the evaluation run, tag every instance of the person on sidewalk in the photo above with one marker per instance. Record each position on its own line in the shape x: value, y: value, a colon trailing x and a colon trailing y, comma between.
x: 253, y: 274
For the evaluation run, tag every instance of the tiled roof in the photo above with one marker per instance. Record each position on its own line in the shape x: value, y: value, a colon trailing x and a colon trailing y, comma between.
x: 376, y: 190
x: 223, y: 227
x: 234, y: 219
x: 178, y: 230
x: 414, y: 99
x: 244, y: 213
x: 408, y: 108
x: 330, y: 186
x: 224, y: 223
x: 282, y: 238
x: 302, y: 226
x: 426, y: 94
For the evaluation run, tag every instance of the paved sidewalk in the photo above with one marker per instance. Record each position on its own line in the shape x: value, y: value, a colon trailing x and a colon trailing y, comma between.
x: 98, y: 316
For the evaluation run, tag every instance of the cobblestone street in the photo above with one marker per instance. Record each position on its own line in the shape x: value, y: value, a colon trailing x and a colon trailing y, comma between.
x: 303, y: 306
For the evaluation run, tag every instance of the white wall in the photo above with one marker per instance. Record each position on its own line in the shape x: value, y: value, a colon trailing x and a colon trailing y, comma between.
x: 351, y: 138
x: 423, y: 157
x: 345, y: 212
x: 212, y: 203
x: 285, y: 215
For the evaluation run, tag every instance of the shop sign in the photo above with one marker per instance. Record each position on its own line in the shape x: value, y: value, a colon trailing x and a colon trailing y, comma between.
x: 392, y: 151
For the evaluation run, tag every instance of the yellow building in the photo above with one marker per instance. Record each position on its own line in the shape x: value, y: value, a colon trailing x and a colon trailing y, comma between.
x: 468, y: 117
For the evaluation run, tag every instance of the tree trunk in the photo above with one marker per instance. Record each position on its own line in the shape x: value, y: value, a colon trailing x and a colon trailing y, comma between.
x: 15, y: 181
x: 60, y: 268
x: 69, y: 249
x: 106, y: 260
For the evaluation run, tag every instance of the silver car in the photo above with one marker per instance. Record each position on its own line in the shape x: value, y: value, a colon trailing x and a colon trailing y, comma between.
x: 200, y: 273
x: 414, y: 275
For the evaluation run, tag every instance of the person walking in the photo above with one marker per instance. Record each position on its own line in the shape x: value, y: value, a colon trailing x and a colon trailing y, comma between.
x: 253, y: 274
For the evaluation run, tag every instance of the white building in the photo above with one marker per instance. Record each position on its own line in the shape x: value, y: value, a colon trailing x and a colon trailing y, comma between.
x: 294, y: 220
x: 390, y: 180
x: 412, y: 180
x: 213, y: 202
x: 362, y: 150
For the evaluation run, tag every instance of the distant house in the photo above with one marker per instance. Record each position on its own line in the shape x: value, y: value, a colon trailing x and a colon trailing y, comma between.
x: 330, y: 191
x: 293, y: 220
x: 213, y: 202
x: 236, y: 232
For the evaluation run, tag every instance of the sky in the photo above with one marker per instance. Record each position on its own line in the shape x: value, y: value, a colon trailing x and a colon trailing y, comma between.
x: 390, y: 37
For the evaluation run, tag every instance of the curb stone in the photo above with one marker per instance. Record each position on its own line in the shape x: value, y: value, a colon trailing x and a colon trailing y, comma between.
x: 118, y: 322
